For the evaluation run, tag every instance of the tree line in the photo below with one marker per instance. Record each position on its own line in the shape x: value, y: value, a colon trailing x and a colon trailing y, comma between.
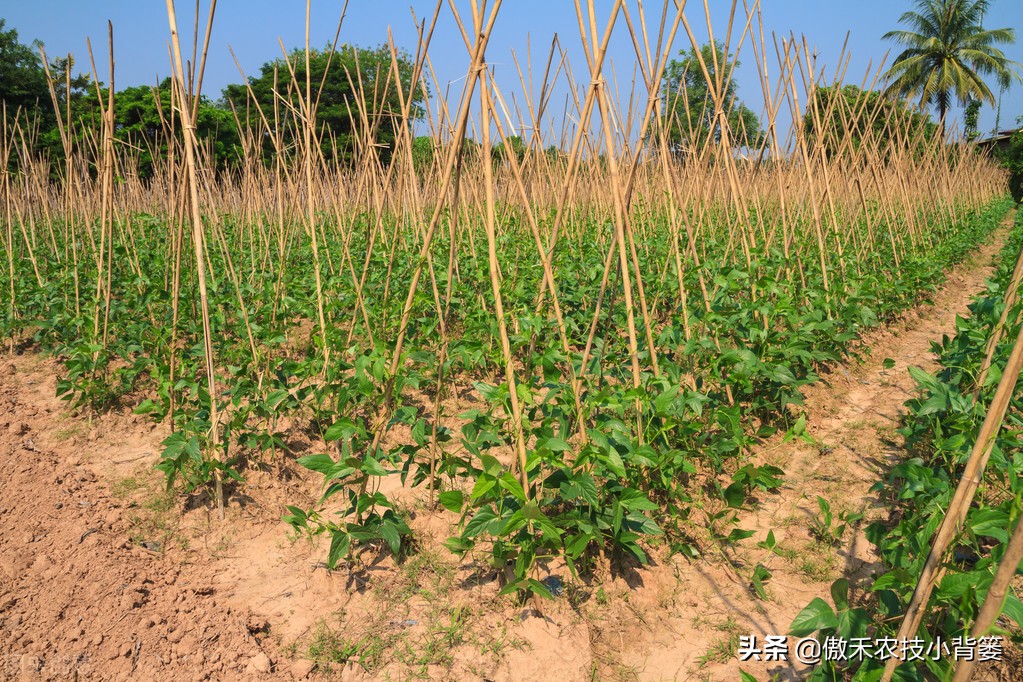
x: 351, y: 77
x: 947, y: 55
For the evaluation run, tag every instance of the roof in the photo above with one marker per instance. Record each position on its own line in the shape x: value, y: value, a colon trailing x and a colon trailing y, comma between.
x: 1000, y: 135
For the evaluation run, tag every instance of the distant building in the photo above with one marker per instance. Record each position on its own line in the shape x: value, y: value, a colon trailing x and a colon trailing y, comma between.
x: 998, y: 142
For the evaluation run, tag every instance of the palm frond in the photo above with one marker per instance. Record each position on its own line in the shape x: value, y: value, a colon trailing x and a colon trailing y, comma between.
x: 948, y: 53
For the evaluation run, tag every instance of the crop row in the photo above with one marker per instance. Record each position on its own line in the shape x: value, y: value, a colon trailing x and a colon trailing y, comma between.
x: 942, y: 428
x: 597, y: 472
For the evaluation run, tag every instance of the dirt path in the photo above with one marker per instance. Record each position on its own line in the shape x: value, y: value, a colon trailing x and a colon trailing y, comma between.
x: 105, y: 576
x: 87, y: 589
x: 852, y: 417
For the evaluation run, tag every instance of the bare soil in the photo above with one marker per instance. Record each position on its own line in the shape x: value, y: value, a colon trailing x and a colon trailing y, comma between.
x: 106, y: 576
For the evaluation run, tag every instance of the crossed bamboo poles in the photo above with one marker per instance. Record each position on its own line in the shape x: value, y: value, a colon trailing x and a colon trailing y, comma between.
x: 893, y: 182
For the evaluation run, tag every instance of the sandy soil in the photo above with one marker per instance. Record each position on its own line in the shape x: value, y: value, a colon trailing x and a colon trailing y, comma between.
x: 104, y: 575
x: 87, y: 589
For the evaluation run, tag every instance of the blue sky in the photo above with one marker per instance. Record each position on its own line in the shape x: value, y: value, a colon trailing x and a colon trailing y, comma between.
x: 252, y: 29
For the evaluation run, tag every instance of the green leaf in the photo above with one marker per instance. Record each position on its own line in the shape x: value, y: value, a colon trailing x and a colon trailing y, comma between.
x: 372, y: 467
x: 663, y: 401
x: 491, y: 465
x: 613, y: 461
x: 990, y: 522
x: 296, y: 518
x: 340, y: 542
x: 479, y: 521
x: 575, y: 546
x: 452, y: 500
x: 482, y: 487
x: 319, y: 463
x: 840, y: 593
x: 936, y: 403
x: 581, y: 486
x: 957, y: 585
x: 457, y: 545
x: 735, y: 495
x: 769, y: 542
x: 853, y: 623
x: 1013, y: 608
x: 391, y: 536
x: 147, y: 406
x: 511, y: 484
x: 532, y: 511
x: 490, y: 393
x: 229, y: 472
x: 539, y: 589
x: 644, y: 456
x: 798, y: 430
x: 554, y: 445
x: 923, y: 379
x: 344, y: 428
x: 636, y: 501
x: 275, y: 398
x: 760, y: 575
x: 738, y: 534
x: 816, y: 616
x: 686, y: 549
x: 895, y: 577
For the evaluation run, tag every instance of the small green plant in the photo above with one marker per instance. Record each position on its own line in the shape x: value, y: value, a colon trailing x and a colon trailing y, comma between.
x: 184, y: 456
x: 328, y: 646
x: 770, y: 544
x: 828, y: 530
x: 725, y: 648
x: 761, y: 575
x: 843, y: 621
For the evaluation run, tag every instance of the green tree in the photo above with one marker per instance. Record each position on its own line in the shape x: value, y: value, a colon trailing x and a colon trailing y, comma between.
x: 971, y: 117
x: 354, y: 75
x: 948, y: 53
x: 48, y: 142
x: 515, y: 145
x: 22, y: 78
x: 137, y: 110
x: 1013, y: 160
x: 25, y: 92
x: 863, y: 114
x: 141, y: 119
x: 423, y: 153
x: 688, y: 105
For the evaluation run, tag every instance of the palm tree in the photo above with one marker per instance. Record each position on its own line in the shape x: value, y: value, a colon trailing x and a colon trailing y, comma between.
x: 948, y: 52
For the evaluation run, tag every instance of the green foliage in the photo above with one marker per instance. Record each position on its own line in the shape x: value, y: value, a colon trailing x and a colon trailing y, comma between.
x: 514, y: 145
x: 940, y: 430
x: 22, y: 78
x: 688, y: 105
x: 25, y: 93
x: 843, y: 622
x: 948, y: 52
x: 142, y: 119
x: 186, y: 455
x: 971, y: 117
x: 352, y: 77
x: 423, y: 153
x: 143, y: 113
x: 864, y: 116
x: 823, y: 526
x: 1012, y: 158
x: 654, y: 456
